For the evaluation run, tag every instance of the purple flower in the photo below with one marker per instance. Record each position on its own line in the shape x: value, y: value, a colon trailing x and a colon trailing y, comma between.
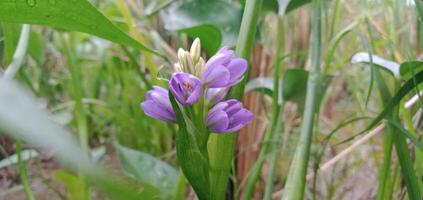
x: 228, y: 116
x: 215, y: 95
x: 157, y: 105
x: 185, y: 87
x: 223, y: 69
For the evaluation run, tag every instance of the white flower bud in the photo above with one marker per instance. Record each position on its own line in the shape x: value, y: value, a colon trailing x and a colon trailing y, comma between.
x: 195, y: 50
x: 199, y: 67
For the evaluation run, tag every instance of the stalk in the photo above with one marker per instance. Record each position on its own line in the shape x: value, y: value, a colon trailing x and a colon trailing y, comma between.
x: 19, y: 54
x: 10, y: 73
x: 387, y: 143
x: 22, y: 172
x: 270, y: 137
x: 80, y: 117
x: 221, y: 147
x: 295, y: 185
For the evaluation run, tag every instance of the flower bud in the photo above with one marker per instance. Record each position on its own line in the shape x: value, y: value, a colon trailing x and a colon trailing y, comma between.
x: 195, y: 50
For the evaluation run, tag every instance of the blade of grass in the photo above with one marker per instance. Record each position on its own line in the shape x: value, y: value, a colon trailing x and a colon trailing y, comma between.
x: 80, y: 115
x: 221, y: 147
x: 295, y: 185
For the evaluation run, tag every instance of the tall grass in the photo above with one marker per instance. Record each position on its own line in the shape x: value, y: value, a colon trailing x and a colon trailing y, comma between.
x: 91, y: 88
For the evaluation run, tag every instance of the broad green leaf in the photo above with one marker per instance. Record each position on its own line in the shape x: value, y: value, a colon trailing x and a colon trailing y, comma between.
x: 214, y: 22
x: 295, y: 86
x: 73, y: 15
x: 407, y: 69
x: 21, y: 118
x: 148, y: 169
x: 364, y: 57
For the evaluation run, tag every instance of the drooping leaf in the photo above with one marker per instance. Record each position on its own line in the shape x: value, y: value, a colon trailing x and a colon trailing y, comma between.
x: 73, y: 15
x: 363, y: 57
x: 148, y: 169
x: 21, y: 118
x: 207, y: 20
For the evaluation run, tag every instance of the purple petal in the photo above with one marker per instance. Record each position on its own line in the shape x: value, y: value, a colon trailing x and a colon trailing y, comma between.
x: 176, y: 90
x: 185, y: 87
x: 156, y: 111
x: 215, y: 77
x: 237, y: 67
x: 239, y: 120
x: 195, y: 95
x: 222, y: 57
x: 218, y: 121
x: 215, y: 95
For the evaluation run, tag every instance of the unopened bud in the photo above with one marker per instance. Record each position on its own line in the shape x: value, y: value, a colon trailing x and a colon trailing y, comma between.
x: 181, y: 55
x: 199, y: 67
x: 195, y: 50
x: 177, y: 67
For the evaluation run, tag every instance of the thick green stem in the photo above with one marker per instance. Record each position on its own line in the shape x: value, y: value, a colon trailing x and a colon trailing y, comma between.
x: 269, y: 138
x: 295, y: 185
x: 221, y: 147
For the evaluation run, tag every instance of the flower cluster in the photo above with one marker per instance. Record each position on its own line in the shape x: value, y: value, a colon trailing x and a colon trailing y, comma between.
x: 193, y: 79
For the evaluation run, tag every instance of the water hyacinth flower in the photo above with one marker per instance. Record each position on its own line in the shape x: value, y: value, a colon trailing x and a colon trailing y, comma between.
x: 228, y: 116
x: 185, y: 87
x: 223, y: 69
x: 157, y: 105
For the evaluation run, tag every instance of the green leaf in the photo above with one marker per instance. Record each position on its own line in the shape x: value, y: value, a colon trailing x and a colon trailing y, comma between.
x: 148, y: 169
x: 409, y: 68
x: 408, y: 86
x: 286, y: 6
x: 207, y: 20
x: 21, y: 118
x: 295, y: 85
x: 73, y: 184
x: 191, y: 156
x: 36, y: 47
x: 73, y: 15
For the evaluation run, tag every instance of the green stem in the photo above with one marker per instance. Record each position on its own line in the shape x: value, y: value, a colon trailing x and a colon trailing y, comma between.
x: 81, y: 119
x: 19, y: 54
x: 22, y: 172
x: 221, y: 147
x: 271, y: 130
x: 295, y: 185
